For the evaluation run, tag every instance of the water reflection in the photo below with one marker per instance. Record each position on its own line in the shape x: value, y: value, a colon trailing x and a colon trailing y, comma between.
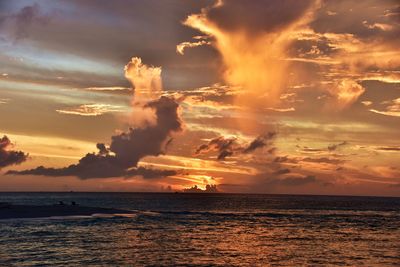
x: 231, y: 236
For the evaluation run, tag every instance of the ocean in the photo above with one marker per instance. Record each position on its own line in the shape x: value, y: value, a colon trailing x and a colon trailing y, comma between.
x: 182, y: 229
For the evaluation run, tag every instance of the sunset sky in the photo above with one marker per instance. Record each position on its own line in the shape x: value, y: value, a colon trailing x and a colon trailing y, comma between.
x: 251, y: 96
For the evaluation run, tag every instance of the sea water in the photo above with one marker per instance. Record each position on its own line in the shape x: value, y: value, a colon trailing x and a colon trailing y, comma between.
x: 170, y: 229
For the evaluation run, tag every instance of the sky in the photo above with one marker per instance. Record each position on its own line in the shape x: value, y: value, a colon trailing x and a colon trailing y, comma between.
x: 285, y: 97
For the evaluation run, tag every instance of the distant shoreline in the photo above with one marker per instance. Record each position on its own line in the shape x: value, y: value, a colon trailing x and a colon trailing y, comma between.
x: 11, y: 211
x: 197, y: 193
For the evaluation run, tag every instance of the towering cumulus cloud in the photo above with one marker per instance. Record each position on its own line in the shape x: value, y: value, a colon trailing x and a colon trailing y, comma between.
x: 121, y: 158
x: 252, y: 37
x: 7, y: 156
x: 146, y: 80
x: 147, y: 84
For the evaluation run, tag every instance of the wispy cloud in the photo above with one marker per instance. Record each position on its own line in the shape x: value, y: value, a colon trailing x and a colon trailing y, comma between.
x: 393, y: 109
x: 92, y: 109
x: 4, y: 100
x: 111, y: 90
x: 200, y: 41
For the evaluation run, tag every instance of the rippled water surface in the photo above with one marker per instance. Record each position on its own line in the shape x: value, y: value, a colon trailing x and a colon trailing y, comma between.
x: 207, y: 229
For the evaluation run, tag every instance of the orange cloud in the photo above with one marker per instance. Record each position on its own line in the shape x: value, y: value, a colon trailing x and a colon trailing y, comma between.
x: 180, y: 48
x: 145, y: 79
x: 147, y: 84
x: 392, y: 110
x: 253, y: 48
x: 345, y: 93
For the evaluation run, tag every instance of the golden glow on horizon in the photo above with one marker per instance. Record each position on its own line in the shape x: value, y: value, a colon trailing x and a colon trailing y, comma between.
x: 200, y: 180
x: 195, y: 164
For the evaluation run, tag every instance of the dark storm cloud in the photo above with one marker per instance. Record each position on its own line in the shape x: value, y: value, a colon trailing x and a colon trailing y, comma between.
x: 225, y: 146
x: 255, y: 17
x: 10, y: 157
x: 102, y: 149
x: 228, y: 146
x: 259, y: 142
x: 126, y: 149
x: 224, y: 153
x: 150, y: 141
